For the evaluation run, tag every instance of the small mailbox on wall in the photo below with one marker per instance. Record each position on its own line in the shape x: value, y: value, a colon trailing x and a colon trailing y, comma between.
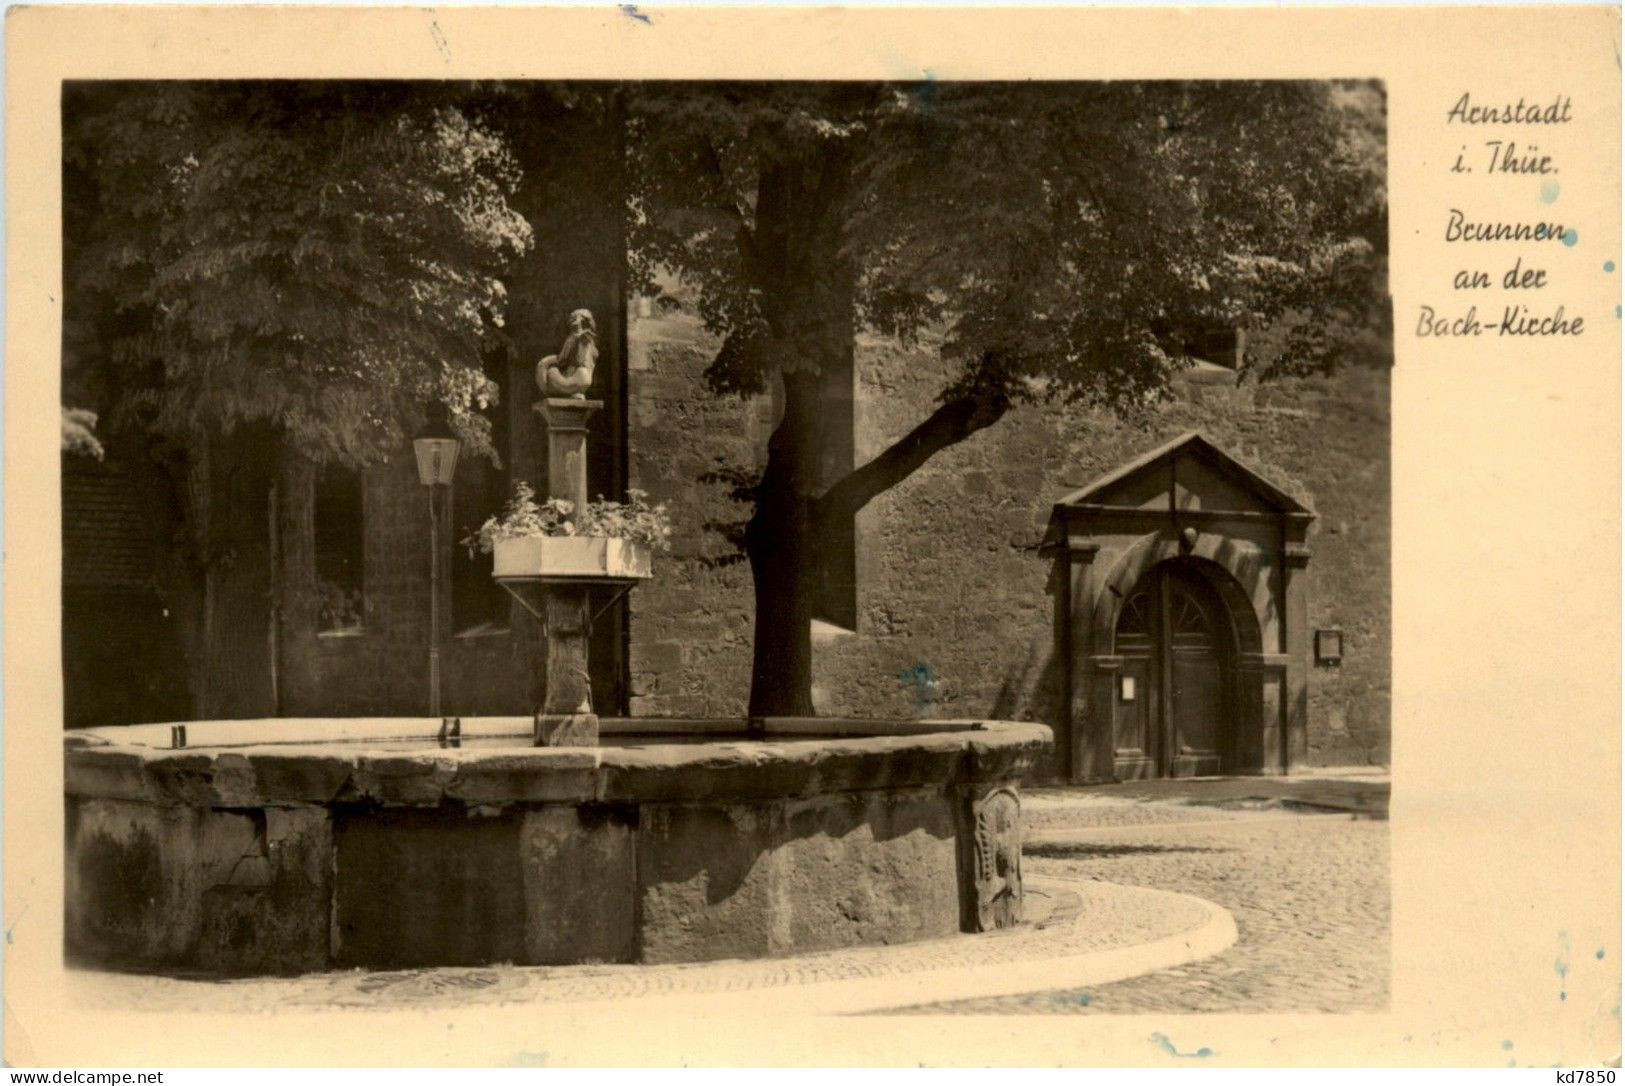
x: 1329, y: 648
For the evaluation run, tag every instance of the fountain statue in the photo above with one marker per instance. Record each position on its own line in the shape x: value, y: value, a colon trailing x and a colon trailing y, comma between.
x: 566, y: 718
x: 569, y: 373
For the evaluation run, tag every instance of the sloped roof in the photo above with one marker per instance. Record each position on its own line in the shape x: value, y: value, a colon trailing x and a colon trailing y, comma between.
x: 1193, y: 444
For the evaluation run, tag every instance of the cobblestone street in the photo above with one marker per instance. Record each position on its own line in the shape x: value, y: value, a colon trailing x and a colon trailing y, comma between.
x: 1309, y: 892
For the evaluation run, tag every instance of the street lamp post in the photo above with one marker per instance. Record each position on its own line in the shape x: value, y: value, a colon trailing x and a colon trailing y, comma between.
x: 436, y: 447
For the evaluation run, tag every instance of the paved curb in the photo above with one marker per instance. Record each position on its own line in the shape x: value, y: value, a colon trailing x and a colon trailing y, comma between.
x: 1214, y: 934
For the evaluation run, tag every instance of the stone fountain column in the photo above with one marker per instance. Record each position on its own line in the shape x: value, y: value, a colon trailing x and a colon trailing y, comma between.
x: 566, y: 718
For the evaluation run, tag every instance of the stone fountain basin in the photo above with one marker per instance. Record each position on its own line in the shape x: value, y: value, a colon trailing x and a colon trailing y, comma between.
x: 286, y: 846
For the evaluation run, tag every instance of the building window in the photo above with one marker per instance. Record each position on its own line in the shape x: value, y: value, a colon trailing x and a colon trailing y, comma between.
x: 478, y: 603
x: 338, y: 528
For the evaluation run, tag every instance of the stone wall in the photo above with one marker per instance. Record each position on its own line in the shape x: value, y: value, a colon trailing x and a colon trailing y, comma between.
x: 953, y: 614
x: 691, y: 625
x: 954, y: 618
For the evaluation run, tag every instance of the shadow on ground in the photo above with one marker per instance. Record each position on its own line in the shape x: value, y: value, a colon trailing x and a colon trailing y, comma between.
x: 1081, y: 850
x: 1360, y: 797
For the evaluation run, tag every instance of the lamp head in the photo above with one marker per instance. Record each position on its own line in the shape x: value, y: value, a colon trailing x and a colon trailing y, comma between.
x: 436, y: 447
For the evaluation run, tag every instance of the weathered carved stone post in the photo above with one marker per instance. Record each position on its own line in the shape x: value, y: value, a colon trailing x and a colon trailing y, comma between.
x: 566, y: 718
x: 990, y: 860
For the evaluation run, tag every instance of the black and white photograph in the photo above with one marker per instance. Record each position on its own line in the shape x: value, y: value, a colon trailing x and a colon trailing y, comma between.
x: 540, y: 524
x: 905, y: 549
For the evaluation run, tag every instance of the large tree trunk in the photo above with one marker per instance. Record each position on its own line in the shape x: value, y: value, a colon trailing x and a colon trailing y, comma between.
x: 795, y: 251
x: 787, y: 529
x: 221, y: 582
x: 294, y: 608
x: 781, y: 542
x: 202, y: 494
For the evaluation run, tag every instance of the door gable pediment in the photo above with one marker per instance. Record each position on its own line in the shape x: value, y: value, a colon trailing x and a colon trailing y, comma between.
x: 1199, y: 476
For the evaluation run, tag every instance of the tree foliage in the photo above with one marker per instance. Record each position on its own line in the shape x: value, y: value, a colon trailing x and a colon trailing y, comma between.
x: 317, y: 259
x: 1066, y: 239
x: 263, y: 275
x: 1063, y: 234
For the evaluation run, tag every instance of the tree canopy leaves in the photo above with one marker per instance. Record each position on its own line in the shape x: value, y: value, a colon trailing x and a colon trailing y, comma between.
x: 320, y: 257
x: 326, y: 256
x: 1065, y: 235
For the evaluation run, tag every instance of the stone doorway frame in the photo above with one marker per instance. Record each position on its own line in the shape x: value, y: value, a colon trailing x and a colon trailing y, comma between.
x: 1186, y: 499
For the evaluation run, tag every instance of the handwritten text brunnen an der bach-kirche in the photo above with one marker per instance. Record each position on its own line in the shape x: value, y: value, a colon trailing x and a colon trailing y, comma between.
x: 1507, y: 142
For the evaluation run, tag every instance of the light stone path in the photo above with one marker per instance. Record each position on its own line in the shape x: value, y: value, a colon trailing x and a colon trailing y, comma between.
x: 1310, y: 894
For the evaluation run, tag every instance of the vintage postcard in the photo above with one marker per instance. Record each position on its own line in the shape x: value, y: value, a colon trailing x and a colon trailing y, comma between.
x: 1020, y: 537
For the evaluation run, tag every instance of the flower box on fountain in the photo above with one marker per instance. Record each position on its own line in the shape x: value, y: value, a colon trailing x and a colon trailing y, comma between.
x: 605, y: 541
x: 571, y: 558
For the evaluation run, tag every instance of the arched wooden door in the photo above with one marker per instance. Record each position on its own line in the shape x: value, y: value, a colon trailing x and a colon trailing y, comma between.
x: 1174, y: 715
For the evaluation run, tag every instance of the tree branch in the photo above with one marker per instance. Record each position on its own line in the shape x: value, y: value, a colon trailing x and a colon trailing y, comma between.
x: 949, y: 424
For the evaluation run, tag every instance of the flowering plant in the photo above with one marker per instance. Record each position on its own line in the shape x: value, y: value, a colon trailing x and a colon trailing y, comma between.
x: 337, y: 608
x: 634, y: 520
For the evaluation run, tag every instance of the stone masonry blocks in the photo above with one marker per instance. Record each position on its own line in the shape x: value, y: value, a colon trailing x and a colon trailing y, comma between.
x: 580, y: 875
x: 232, y: 892
x: 769, y: 879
